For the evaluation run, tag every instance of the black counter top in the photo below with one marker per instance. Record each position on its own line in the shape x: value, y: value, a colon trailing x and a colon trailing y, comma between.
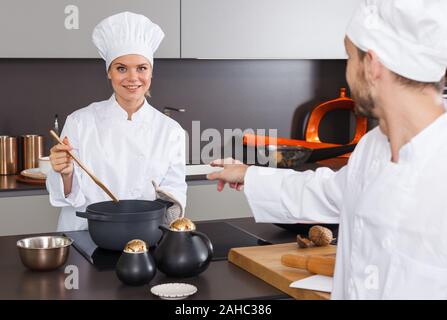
x: 222, y: 280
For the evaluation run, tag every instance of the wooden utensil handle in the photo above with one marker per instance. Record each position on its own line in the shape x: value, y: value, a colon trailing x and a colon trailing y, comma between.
x: 55, y: 136
x: 94, y: 178
x: 318, y: 264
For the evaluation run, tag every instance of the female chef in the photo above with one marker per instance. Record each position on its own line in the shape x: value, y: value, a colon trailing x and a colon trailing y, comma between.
x: 124, y: 141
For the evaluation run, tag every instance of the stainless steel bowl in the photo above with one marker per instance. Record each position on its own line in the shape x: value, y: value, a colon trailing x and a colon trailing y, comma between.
x: 44, y: 253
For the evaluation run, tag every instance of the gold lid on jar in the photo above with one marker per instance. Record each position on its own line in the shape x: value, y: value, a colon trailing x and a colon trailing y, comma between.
x: 135, y: 246
x: 182, y: 224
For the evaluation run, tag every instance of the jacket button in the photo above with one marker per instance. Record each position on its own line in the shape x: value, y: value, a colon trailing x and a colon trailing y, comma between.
x: 360, y: 223
x: 351, y: 285
x: 386, y: 243
x: 351, y: 293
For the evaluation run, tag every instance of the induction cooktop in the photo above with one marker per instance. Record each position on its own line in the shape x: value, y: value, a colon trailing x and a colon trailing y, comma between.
x: 223, y: 236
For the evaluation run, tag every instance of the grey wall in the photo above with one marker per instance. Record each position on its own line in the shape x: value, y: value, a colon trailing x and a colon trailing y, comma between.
x: 220, y: 93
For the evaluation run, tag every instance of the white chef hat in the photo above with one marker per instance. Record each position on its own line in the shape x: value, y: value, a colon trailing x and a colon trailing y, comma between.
x: 409, y: 37
x: 127, y: 33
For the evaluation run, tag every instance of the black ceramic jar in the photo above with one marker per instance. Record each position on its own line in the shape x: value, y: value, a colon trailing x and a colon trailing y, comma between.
x: 136, y: 266
x: 183, y: 253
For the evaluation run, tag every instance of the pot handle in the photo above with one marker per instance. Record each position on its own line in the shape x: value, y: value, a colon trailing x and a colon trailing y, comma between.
x: 88, y: 215
x: 205, y: 239
x: 82, y: 214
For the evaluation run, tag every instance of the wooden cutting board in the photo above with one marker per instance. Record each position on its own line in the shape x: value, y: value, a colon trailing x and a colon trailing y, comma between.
x: 265, y: 263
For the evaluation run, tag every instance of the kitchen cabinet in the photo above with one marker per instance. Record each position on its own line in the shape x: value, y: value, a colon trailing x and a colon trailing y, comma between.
x: 63, y: 28
x: 270, y: 29
x: 204, y: 202
x: 230, y: 29
x: 27, y: 214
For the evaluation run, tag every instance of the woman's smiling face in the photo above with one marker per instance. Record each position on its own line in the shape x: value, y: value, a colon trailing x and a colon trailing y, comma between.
x: 131, y: 77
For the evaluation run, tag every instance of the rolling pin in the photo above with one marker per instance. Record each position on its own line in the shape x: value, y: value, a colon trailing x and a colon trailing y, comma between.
x: 318, y: 264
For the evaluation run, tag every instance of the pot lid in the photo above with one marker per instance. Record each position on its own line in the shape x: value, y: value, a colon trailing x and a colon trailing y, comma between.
x: 126, y: 210
x: 124, y: 206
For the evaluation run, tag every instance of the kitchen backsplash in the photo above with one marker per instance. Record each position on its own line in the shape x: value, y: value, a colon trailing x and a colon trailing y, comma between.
x: 221, y: 94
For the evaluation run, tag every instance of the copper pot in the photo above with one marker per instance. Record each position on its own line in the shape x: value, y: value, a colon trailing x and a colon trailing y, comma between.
x: 32, y: 150
x: 8, y: 155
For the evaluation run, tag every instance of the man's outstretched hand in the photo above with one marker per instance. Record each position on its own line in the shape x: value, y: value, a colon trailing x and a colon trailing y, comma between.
x: 233, y: 173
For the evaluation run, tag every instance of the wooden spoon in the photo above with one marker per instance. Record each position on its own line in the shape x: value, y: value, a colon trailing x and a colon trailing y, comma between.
x: 95, y: 179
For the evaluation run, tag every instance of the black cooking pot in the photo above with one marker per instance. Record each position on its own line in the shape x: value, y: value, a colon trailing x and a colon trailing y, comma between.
x: 111, y: 225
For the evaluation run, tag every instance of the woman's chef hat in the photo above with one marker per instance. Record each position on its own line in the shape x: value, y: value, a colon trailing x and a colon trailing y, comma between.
x: 127, y: 33
x: 409, y: 37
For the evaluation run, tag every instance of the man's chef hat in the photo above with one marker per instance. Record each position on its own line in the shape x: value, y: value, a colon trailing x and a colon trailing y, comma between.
x: 409, y: 37
x: 127, y: 33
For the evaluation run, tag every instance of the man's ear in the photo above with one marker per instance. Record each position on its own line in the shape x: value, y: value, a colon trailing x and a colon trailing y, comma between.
x: 372, y: 66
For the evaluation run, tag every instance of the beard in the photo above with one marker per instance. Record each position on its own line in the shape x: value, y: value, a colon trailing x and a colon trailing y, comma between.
x: 364, y: 102
x: 364, y: 105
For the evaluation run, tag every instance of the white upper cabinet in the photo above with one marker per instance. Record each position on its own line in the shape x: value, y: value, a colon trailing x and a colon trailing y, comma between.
x: 270, y: 29
x: 214, y: 29
x: 63, y: 28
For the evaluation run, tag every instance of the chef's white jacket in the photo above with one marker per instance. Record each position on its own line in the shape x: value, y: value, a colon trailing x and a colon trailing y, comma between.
x: 392, y: 241
x: 126, y: 155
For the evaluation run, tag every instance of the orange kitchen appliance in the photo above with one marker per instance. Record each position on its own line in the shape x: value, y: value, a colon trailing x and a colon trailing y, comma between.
x: 341, y: 103
x: 312, y: 137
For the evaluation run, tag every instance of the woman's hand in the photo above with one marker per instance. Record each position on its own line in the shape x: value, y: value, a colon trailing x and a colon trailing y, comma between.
x: 233, y: 173
x: 60, y: 159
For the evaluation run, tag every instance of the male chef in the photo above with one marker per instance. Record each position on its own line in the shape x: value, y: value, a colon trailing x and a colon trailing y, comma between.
x: 391, y: 198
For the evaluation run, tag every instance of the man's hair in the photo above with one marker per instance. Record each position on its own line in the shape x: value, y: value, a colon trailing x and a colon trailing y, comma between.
x: 438, y: 86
